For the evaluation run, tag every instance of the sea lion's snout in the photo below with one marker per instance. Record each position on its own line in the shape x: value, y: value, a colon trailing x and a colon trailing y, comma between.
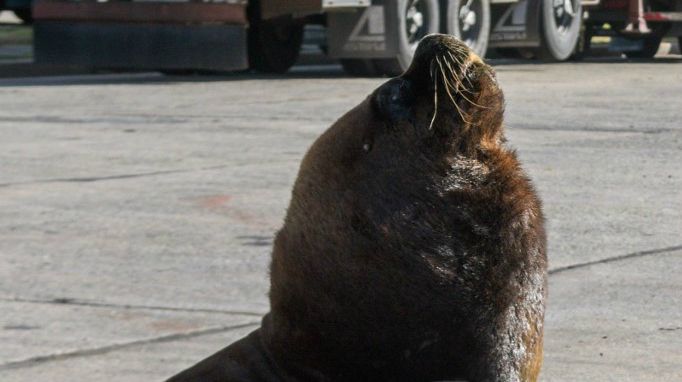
x: 441, y: 64
x: 440, y: 50
x: 447, y: 89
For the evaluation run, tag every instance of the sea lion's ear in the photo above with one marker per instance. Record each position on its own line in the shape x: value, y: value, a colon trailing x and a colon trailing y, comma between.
x: 394, y: 100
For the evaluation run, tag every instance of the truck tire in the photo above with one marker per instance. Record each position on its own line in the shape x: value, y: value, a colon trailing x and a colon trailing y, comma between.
x: 274, y: 44
x: 559, y: 28
x: 469, y: 21
x: 416, y: 19
x: 582, y: 48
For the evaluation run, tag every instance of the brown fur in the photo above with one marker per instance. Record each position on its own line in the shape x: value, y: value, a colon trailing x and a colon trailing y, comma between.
x: 413, y: 248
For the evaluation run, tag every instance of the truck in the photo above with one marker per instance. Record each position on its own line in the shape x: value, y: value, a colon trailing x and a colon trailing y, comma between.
x: 368, y: 37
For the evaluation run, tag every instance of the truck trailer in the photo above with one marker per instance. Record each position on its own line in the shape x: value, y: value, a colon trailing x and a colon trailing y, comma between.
x: 368, y: 37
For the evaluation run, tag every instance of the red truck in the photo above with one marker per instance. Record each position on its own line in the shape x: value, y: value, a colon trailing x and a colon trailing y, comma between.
x: 643, y: 23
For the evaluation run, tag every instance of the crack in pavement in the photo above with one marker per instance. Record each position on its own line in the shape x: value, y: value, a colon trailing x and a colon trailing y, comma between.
x: 95, y: 304
x: 616, y: 258
x: 530, y: 127
x: 111, y: 177
x: 34, y: 361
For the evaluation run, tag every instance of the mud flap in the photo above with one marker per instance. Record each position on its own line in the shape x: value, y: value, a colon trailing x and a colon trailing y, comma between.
x: 515, y: 25
x: 370, y: 32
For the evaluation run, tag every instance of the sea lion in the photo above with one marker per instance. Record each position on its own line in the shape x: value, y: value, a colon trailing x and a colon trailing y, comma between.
x: 414, y: 245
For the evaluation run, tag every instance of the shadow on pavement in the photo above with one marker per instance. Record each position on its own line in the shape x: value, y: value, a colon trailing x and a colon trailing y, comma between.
x: 27, y: 74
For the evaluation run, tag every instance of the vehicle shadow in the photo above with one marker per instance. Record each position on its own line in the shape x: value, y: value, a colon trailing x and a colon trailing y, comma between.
x: 83, y: 76
x: 29, y: 75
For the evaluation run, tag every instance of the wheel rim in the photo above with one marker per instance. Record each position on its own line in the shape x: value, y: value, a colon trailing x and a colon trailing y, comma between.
x: 564, y: 12
x: 468, y: 17
x: 416, y: 21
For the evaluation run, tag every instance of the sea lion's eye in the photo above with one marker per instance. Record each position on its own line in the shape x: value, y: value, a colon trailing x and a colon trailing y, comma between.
x: 394, y: 99
x: 366, y: 147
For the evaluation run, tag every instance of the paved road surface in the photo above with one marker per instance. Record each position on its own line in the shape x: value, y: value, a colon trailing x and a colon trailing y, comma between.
x: 137, y: 213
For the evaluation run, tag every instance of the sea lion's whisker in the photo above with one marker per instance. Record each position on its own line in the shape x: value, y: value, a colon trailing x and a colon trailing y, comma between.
x: 435, y: 94
x: 461, y: 89
x: 446, y: 79
x: 449, y: 85
x: 460, y: 64
x: 447, y: 90
x: 455, y: 59
x: 464, y: 67
x: 458, y: 86
x: 454, y: 73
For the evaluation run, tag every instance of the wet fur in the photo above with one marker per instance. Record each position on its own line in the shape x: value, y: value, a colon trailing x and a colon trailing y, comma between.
x: 413, y: 248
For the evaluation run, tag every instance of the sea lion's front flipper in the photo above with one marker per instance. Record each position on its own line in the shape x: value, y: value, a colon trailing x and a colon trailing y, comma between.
x: 244, y: 361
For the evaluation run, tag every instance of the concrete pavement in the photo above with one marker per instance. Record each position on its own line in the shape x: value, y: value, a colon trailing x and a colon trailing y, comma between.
x: 137, y: 213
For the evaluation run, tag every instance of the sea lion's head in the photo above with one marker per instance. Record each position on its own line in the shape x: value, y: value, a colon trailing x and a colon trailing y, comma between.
x: 407, y: 134
x: 369, y: 261
x: 447, y: 103
x: 448, y: 91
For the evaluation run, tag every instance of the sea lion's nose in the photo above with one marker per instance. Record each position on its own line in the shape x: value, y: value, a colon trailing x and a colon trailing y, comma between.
x: 434, y: 46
